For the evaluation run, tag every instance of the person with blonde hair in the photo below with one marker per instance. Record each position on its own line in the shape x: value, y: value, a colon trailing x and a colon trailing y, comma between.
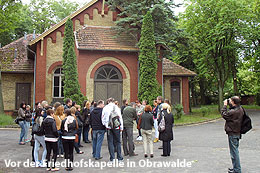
x: 59, y: 116
x: 79, y: 126
x: 166, y: 135
x: 86, y: 117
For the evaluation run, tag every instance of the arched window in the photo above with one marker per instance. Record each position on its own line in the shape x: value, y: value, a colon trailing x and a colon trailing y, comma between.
x: 108, y: 73
x: 58, y: 83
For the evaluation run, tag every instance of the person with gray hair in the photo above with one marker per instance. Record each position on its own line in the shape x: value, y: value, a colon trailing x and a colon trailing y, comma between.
x: 234, y: 117
x: 129, y: 115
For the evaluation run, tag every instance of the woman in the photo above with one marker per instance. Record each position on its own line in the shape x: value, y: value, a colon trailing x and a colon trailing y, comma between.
x: 86, y: 116
x: 69, y: 130
x: 80, y: 123
x: 154, y: 112
x: 167, y: 135
x: 79, y: 126
x: 51, y: 139
x: 146, y: 126
x: 39, y: 139
x: 28, y: 119
x: 22, y: 124
x: 59, y: 116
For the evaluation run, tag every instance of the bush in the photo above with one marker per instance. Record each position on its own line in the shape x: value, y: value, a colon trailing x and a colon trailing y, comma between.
x: 178, y: 110
x: 6, y: 120
x: 205, y: 111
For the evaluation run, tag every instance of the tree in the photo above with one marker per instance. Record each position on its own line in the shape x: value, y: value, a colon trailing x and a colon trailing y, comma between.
x: 216, y: 27
x: 70, y: 69
x: 133, y: 13
x: 148, y: 85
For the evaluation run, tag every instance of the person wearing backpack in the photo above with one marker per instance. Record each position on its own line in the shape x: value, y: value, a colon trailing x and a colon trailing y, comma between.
x: 166, y: 135
x: 112, y: 120
x: 234, y: 118
x: 39, y: 138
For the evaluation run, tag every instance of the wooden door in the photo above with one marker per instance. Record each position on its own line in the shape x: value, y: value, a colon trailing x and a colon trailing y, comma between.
x: 105, y: 90
x: 23, y: 94
x: 175, y: 93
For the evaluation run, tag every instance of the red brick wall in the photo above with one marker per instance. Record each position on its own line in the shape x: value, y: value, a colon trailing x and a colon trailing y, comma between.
x: 185, y: 94
x: 86, y: 58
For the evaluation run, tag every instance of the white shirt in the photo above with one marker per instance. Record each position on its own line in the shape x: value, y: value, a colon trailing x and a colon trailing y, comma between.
x: 106, y: 113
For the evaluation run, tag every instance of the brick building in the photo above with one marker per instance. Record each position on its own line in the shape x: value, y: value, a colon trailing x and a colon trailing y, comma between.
x: 107, y: 65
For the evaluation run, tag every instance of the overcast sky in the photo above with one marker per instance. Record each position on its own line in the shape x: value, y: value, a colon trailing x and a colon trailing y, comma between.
x: 177, y: 10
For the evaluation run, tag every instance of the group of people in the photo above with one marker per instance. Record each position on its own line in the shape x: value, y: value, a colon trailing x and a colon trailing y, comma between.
x: 58, y: 129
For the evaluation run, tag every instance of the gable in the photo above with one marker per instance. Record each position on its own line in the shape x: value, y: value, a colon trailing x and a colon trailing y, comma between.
x: 94, y: 13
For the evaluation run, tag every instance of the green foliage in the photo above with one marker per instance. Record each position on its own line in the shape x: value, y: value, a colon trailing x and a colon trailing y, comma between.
x: 204, y: 110
x: 257, y: 99
x: 71, y: 83
x: 133, y: 15
x: 148, y: 84
x: 6, y: 120
x: 178, y: 110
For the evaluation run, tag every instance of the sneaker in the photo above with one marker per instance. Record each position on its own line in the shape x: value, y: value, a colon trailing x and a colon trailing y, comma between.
x: 58, y: 155
x: 156, y: 140
x: 48, y: 169
x: 139, y: 138
x: 43, y: 165
x: 55, y: 169
x: 37, y: 164
x: 61, y: 155
x: 21, y: 143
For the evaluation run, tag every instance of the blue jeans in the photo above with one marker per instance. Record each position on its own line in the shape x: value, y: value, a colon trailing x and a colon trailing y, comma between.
x: 233, y: 141
x: 23, y: 126
x: 39, y: 140
x: 27, y: 127
x: 98, y: 137
x: 79, y: 133
x: 60, y: 145
x: 85, y: 133
x: 113, y: 135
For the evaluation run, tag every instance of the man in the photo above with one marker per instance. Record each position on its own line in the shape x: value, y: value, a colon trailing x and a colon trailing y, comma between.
x: 125, y: 104
x: 159, y: 110
x: 233, y: 117
x: 98, y: 129
x: 139, y: 110
x: 129, y: 115
x: 68, y: 104
x: 113, y: 134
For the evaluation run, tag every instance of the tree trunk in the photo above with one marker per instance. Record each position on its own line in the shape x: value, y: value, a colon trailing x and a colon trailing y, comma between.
x: 234, y: 71
x: 202, y: 92
x: 1, y: 96
x: 220, y: 96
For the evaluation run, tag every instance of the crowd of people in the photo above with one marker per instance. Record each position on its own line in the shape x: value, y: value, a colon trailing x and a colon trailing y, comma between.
x: 59, y: 129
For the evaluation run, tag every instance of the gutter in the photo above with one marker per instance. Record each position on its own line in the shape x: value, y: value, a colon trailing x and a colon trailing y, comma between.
x: 119, y: 50
x: 34, y: 75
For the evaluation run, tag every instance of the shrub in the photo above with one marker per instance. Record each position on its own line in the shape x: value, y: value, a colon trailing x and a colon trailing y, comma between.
x: 6, y: 120
x: 257, y: 99
x: 205, y: 111
x: 178, y: 109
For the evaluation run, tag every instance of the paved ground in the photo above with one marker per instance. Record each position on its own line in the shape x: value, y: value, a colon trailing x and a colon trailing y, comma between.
x: 204, y: 145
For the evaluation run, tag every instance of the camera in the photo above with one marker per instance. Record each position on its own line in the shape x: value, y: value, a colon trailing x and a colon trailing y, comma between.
x: 228, y: 102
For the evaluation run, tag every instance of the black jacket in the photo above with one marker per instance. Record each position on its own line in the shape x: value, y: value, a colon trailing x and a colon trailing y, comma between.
x: 147, y: 121
x: 50, y: 128
x: 86, y: 116
x: 167, y: 134
x: 72, y: 128
x: 95, y: 119
x: 233, y: 118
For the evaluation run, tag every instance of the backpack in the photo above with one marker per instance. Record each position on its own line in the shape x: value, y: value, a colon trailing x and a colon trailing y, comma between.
x: 246, y: 124
x: 114, y: 119
x: 36, y: 128
x: 161, y: 126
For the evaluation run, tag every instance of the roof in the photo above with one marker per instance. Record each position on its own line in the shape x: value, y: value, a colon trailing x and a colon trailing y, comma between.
x: 104, y: 38
x: 172, y: 69
x: 15, y: 57
x: 62, y: 22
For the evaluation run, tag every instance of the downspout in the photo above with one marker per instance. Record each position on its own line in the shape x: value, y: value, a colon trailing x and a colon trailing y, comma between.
x: 34, y: 76
x: 162, y: 80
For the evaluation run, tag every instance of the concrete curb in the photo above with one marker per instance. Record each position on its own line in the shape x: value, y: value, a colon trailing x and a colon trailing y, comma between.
x: 199, y: 123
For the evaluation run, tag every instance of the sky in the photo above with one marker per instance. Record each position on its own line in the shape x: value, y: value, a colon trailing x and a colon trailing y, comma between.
x: 81, y: 2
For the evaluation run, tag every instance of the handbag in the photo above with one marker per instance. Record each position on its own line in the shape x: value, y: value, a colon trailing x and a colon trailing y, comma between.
x: 76, y: 138
x: 139, y: 122
x: 161, y: 126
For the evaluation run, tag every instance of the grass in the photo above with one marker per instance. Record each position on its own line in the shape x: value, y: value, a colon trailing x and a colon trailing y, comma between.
x: 6, y: 120
x: 251, y: 107
x: 197, y: 116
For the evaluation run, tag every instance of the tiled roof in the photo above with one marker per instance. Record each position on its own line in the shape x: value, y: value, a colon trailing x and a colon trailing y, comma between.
x: 104, y: 38
x: 172, y: 69
x: 14, y: 56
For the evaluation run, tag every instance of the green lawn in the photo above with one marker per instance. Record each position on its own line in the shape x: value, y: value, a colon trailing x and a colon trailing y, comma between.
x: 6, y: 120
x: 197, y: 116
